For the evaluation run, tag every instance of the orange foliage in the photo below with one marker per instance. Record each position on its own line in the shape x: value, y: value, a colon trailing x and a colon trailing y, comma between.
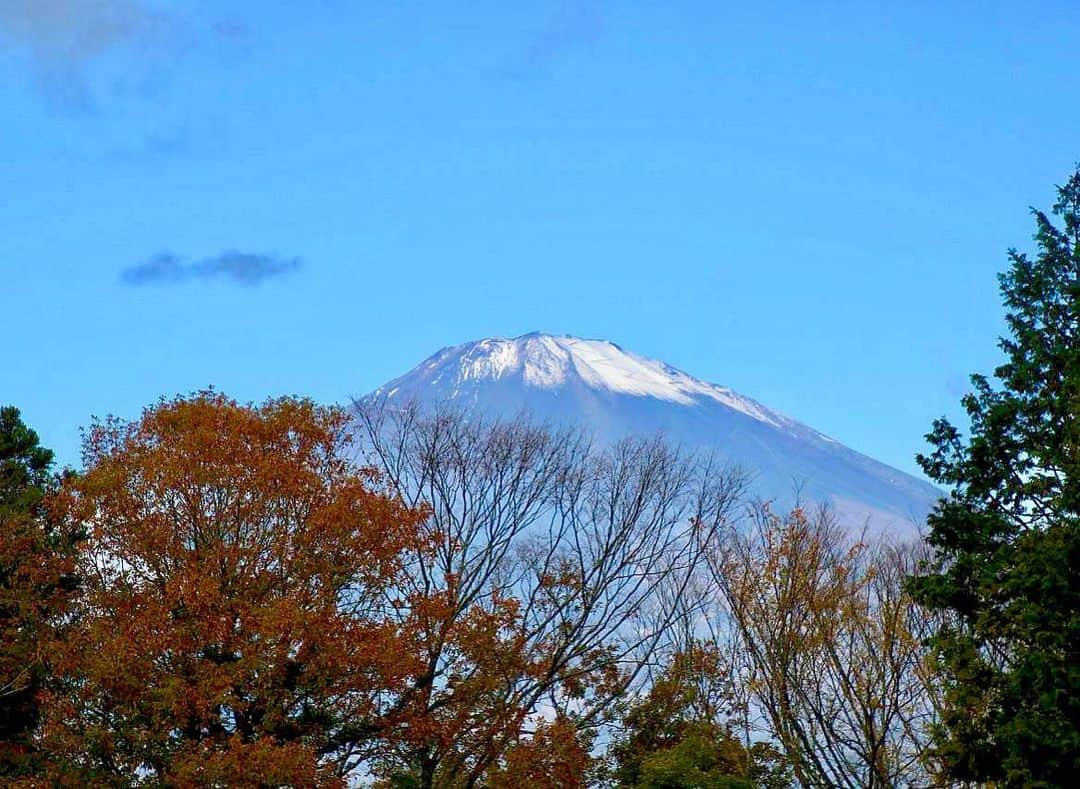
x: 36, y: 585
x: 240, y: 589
x: 554, y: 757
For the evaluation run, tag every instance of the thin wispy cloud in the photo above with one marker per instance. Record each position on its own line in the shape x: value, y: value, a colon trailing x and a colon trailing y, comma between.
x: 241, y: 268
x: 576, y: 24
x: 958, y: 384
x: 73, y: 49
x: 157, y: 145
x: 63, y: 39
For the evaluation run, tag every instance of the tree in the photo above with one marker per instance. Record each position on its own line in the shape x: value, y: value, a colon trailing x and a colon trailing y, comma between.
x: 832, y: 659
x: 1007, y: 574
x: 678, y: 734
x: 546, y: 754
x: 234, y: 625
x: 544, y: 588
x: 554, y: 755
x: 36, y: 584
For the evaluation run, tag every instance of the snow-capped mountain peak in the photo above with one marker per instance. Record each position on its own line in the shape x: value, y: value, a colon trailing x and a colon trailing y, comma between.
x: 615, y: 393
x: 547, y: 361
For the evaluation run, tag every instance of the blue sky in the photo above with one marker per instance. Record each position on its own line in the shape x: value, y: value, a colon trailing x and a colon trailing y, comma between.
x: 807, y: 202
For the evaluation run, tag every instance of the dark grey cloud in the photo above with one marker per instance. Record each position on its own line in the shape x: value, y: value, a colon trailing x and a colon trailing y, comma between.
x: 243, y: 268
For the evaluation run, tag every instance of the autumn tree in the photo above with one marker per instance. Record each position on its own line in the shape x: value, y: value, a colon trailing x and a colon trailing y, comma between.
x: 1007, y: 571
x: 544, y: 754
x: 542, y: 590
x: 834, y: 662
x: 234, y: 627
x: 36, y: 583
x: 551, y: 754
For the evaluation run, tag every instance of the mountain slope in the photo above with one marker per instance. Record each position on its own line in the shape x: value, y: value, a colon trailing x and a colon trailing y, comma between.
x: 568, y: 380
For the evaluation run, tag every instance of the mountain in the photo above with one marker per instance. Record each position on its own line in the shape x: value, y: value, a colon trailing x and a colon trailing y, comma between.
x: 567, y: 380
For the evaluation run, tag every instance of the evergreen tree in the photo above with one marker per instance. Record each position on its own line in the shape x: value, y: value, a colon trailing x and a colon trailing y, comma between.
x: 1007, y: 575
x: 35, y: 583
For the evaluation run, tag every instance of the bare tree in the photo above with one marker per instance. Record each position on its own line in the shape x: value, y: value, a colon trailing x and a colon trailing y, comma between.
x: 558, y: 567
x: 834, y: 660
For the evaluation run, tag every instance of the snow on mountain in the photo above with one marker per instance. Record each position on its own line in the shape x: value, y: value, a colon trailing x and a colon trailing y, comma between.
x: 568, y: 380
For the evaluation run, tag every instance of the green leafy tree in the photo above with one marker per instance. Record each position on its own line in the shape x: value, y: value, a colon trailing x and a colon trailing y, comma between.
x: 676, y: 735
x: 701, y: 759
x: 35, y: 584
x: 1007, y: 574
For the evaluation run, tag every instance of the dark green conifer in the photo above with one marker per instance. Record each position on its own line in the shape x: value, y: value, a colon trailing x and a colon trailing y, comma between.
x: 1008, y: 538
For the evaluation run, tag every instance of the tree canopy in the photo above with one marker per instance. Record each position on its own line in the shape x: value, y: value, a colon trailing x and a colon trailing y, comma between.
x: 239, y: 573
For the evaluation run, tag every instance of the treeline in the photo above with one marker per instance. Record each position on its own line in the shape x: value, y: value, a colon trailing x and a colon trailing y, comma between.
x: 287, y: 594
